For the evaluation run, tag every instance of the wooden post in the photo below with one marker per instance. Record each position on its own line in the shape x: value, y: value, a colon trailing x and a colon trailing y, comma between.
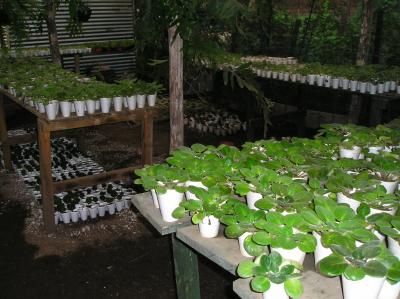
x: 77, y: 63
x: 186, y: 270
x: 46, y: 180
x: 5, y: 145
x: 147, y: 138
x: 176, y: 89
x: 355, y: 109
x: 51, y: 8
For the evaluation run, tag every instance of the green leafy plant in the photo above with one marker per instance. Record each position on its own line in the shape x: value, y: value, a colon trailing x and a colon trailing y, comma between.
x: 267, y: 269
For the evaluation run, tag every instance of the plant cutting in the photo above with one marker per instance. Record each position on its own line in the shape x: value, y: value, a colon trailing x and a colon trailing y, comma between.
x: 273, y: 276
x: 207, y: 210
x: 363, y: 269
x: 167, y: 182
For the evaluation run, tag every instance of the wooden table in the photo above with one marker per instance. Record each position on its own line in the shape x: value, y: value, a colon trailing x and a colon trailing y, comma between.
x: 44, y: 129
x: 187, y: 244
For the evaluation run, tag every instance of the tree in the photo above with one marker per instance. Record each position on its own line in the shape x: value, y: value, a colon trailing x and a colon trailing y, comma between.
x: 365, y: 32
x: 50, y: 17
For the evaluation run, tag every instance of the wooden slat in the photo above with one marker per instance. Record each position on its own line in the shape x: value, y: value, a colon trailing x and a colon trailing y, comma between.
x: 87, y: 181
x: 21, y: 139
x: 19, y: 103
x: 147, y: 139
x: 4, y: 136
x: 46, y: 180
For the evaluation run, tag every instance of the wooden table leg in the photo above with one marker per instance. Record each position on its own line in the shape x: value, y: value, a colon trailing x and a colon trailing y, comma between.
x: 46, y: 180
x: 355, y: 109
x: 186, y: 270
x: 5, y: 145
x: 147, y: 138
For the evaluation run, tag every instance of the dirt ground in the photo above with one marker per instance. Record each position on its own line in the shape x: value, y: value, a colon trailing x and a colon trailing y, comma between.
x: 119, y: 256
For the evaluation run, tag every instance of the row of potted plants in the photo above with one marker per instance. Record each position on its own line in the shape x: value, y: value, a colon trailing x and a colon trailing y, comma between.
x: 270, y: 59
x: 51, y: 89
x: 295, y: 197
x: 372, y: 79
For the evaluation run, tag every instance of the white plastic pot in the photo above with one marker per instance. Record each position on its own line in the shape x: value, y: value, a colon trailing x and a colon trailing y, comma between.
x: 390, y: 186
x: 394, y: 247
x: 274, y: 75
x: 40, y: 107
x: 74, y: 216
x: 93, y: 211
x: 117, y: 101
x: 90, y: 106
x: 381, y: 88
x: 151, y: 100
x: 111, y: 208
x: 119, y: 205
x: 345, y: 84
x: 320, y: 80
x: 251, y: 199
x: 190, y: 195
x: 168, y: 202
x: 393, y: 85
x: 79, y: 108
x: 398, y: 89
x: 327, y: 81
x: 241, y: 244
x: 366, y: 288
x: 131, y: 102
x: 276, y: 291
x: 286, y: 76
x: 51, y: 110
x: 375, y: 149
x: 102, y: 210
x: 83, y: 213
x: 209, y: 227
x: 320, y: 251
x: 389, y: 291
x: 127, y: 203
x: 372, y: 88
x: 353, y: 153
x: 386, y: 86
x: 354, y: 204
x: 292, y: 254
x: 353, y: 85
x: 141, y: 100
x: 66, y: 217
x: 65, y: 108
x: 105, y: 104
x: 303, y: 79
x: 56, y: 217
x: 335, y: 83
x: 97, y: 104
x: 377, y: 211
x: 155, y: 198
x: 363, y: 87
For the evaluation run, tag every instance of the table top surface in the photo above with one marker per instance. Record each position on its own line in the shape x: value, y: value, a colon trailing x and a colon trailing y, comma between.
x: 144, y: 203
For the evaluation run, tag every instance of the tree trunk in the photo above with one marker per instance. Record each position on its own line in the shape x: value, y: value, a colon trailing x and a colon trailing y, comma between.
x: 175, y: 89
x: 378, y: 37
x: 52, y: 32
x: 365, y: 33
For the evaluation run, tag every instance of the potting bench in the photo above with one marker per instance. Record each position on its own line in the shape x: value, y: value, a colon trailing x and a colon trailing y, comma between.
x: 188, y: 243
x: 44, y: 129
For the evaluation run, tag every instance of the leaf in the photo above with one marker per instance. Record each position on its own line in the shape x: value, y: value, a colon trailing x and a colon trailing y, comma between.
x: 375, y: 269
x: 293, y: 288
x: 234, y: 231
x: 197, y: 218
x: 394, y: 272
x: 242, y: 188
x: 343, y: 213
x: 253, y: 248
x: 314, y: 183
x: 178, y: 213
x: 371, y: 249
x: 311, y: 217
x: 287, y: 269
x: 276, y: 260
x: 262, y: 238
x: 363, y: 235
x: 265, y: 203
x: 245, y: 269
x: 354, y: 273
x: 308, y: 243
x: 260, y: 284
x: 332, y: 265
x: 325, y: 214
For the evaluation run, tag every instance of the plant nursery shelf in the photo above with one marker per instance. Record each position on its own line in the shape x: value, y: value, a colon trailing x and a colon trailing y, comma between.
x: 46, y: 127
x: 144, y: 203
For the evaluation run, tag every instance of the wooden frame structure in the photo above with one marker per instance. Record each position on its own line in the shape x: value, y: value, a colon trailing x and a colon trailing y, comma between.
x: 44, y: 129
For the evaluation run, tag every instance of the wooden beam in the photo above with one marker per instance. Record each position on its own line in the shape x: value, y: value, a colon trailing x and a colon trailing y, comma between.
x: 4, y: 136
x: 355, y: 109
x: 46, y: 180
x: 176, y: 88
x: 21, y: 139
x: 88, y: 181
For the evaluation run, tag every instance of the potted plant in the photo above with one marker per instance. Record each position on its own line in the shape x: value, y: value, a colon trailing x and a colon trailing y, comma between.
x: 273, y: 276
x: 152, y: 90
x: 363, y: 269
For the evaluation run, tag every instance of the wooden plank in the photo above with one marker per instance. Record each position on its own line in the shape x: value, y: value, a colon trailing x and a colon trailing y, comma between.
x: 91, y: 180
x: 315, y: 286
x: 176, y: 88
x: 144, y: 203
x: 147, y: 139
x: 222, y: 251
x: 20, y: 103
x: 46, y: 181
x: 4, y: 137
x: 186, y: 270
x: 77, y: 63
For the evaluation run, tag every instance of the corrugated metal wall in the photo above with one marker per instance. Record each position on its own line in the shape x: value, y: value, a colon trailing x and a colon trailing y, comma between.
x: 110, y: 20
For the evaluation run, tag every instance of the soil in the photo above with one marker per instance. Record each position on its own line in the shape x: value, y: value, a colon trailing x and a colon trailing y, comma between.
x: 119, y: 256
